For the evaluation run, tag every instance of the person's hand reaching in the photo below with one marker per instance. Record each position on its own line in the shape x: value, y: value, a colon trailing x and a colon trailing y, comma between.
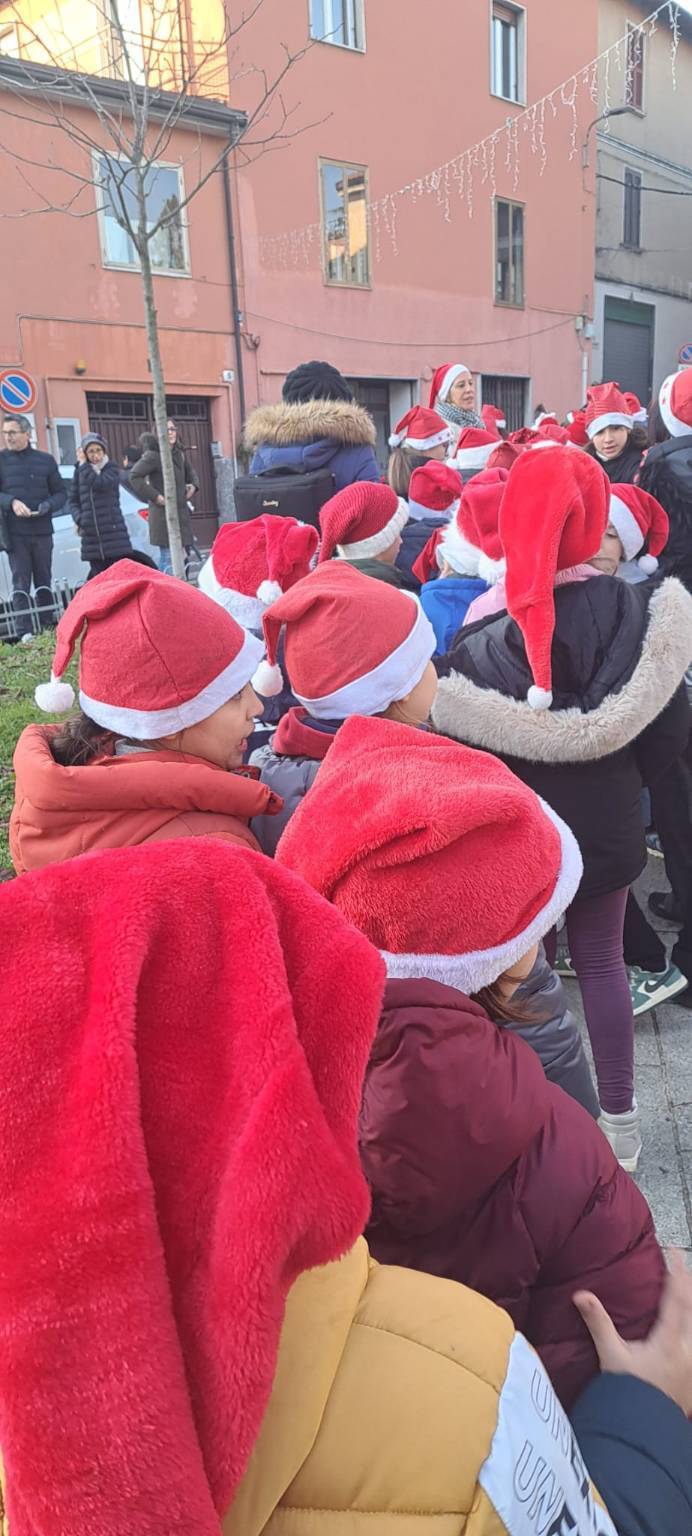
x: 665, y: 1358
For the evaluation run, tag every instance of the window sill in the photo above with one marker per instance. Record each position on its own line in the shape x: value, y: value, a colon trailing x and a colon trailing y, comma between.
x: 514, y: 101
x: 116, y: 266
x: 509, y: 304
x: 632, y: 250
x: 331, y: 42
x: 333, y: 282
x: 637, y: 111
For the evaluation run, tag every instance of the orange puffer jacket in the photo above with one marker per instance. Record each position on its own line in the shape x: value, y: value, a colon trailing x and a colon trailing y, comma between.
x: 116, y: 802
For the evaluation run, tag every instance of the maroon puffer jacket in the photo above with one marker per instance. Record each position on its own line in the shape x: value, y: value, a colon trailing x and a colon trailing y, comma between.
x: 483, y: 1171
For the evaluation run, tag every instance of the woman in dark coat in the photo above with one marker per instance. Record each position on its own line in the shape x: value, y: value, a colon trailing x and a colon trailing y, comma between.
x: 146, y: 481
x: 94, y: 505
x: 580, y: 691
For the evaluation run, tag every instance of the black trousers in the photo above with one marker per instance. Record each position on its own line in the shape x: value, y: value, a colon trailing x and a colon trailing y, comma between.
x: 31, y: 560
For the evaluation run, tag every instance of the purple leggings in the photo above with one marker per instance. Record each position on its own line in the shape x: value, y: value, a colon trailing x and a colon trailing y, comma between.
x: 594, y: 934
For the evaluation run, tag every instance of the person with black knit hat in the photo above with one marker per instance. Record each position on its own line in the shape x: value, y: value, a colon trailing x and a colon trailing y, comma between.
x: 318, y: 425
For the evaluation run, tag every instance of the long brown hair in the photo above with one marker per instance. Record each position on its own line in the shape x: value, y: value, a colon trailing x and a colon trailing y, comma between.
x: 402, y: 462
x: 500, y: 1009
x: 79, y: 741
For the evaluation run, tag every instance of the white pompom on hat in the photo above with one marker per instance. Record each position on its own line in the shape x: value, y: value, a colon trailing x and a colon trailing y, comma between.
x: 252, y: 564
x: 156, y: 655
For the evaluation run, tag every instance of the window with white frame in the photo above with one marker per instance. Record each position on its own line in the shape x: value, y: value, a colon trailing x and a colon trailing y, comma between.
x: 338, y: 21
x: 9, y: 39
x: 509, y: 253
x: 344, y: 190
x: 635, y: 60
x: 67, y: 432
x: 508, y: 51
x: 118, y: 204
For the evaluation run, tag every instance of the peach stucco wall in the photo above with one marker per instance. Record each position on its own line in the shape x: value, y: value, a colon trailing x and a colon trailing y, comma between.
x: 417, y: 96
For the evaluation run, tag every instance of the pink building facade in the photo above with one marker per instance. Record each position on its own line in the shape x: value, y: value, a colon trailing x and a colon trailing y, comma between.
x: 490, y: 263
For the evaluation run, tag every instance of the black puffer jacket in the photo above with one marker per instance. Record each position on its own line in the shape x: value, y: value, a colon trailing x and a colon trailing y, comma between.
x: 623, y: 469
x: 667, y: 475
x: 94, y: 503
x: 32, y: 477
x: 619, y: 716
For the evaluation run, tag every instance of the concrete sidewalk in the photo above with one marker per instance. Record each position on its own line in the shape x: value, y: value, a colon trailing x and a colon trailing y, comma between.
x: 663, y: 1058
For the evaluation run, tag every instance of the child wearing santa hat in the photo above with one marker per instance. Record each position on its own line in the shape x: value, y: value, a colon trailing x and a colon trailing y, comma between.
x: 494, y: 420
x: 479, y: 1168
x: 195, y: 1337
x: 433, y: 499
x: 362, y: 525
x: 351, y: 647
x: 616, y: 441
x: 473, y: 450
x: 579, y: 687
x: 166, y: 710
x: 469, y: 557
x: 453, y: 396
x: 251, y: 565
x: 419, y: 436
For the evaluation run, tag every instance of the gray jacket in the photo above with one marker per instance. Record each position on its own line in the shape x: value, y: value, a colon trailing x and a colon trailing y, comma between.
x: 552, y: 1033
x: 290, y: 777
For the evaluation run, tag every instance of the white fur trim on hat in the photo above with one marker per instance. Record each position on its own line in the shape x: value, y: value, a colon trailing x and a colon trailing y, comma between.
x: 672, y: 424
x: 269, y: 592
x: 249, y: 611
x: 491, y: 571
x: 418, y: 513
x: 473, y: 458
x: 450, y: 378
x: 463, y: 557
x: 608, y: 419
x: 419, y: 444
x: 148, y: 724
x: 628, y: 529
x: 393, y: 678
x: 468, y: 973
x: 366, y: 549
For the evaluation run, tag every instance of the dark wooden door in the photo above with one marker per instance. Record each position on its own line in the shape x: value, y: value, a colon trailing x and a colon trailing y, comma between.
x: 509, y: 395
x: 120, y: 419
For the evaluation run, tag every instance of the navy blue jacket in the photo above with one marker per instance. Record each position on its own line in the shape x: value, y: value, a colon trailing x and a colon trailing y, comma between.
x: 33, y: 477
x: 94, y: 503
x: 637, y: 1446
x: 317, y: 434
x: 414, y: 537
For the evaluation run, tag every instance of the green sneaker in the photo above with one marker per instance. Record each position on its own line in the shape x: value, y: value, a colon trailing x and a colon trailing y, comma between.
x: 648, y: 989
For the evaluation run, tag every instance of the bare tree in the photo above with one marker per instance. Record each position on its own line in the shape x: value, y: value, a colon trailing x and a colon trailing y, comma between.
x: 123, y: 134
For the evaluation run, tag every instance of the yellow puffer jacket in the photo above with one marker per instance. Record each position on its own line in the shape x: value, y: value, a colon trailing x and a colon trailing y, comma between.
x: 410, y: 1399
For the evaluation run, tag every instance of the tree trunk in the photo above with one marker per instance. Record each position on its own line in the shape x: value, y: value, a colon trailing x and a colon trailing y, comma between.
x: 159, y: 392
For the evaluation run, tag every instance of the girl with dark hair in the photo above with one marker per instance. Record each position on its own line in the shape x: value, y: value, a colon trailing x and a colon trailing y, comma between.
x: 616, y: 441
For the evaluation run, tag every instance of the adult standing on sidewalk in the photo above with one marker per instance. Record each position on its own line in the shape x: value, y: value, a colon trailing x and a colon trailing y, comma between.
x: 95, y: 507
x: 146, y: 482
x: 31, y: 492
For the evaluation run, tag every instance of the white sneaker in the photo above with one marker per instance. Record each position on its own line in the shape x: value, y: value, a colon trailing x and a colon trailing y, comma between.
x: 648, y: 989
x: 27, y: 639
x: 624, y: 1135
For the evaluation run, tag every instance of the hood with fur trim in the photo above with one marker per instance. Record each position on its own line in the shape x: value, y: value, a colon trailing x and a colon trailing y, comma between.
x: 285, y: 426
x: 618, y: 658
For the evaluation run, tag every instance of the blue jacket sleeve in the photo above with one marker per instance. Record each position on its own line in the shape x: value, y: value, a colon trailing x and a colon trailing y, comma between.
x: 637, y: 1446
x: 368, y: 467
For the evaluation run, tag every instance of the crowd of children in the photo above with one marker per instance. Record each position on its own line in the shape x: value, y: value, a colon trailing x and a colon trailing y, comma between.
x: 425, y: 733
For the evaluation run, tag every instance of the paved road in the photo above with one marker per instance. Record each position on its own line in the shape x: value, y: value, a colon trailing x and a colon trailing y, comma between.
x: 663, y: 1055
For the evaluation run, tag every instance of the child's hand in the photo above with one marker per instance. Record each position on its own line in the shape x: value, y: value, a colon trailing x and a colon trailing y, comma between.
x: 665, y: 1358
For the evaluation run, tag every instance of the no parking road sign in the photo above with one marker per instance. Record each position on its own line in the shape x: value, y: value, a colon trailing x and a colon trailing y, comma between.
x: 18, y: 391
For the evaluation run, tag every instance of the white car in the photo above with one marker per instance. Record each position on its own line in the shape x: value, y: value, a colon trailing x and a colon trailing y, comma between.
x: 69, y: 570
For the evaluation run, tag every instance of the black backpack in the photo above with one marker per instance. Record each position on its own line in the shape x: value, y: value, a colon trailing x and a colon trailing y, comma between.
x: 283, y: 493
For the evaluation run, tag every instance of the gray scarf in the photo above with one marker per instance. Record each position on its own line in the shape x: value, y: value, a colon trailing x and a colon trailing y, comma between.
x: 456, y: 417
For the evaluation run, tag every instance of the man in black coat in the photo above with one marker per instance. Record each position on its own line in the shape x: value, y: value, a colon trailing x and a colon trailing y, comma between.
x: 31, y: 492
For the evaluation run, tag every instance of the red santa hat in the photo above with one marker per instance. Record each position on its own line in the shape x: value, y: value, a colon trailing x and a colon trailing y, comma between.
x: 251, y: 564
x: 639, y: 519
x: 675, y: 402
x: 606, y: 407
x: 553, y: 515
x: 420, y: 430
x: 443, y: 379
x: 352, y: 645
x: 448, y: 863
x: 434, y: 490
x: 179, y: 1145
x: 361, y: 521
x: 494, y: 420
x: 478, y: 521
x: 524, y: 437
x: 427, y: 566
x: 547, y: 417
x: 577, y: 429
x: 474, y: 449
x: 156, y: 655
x: 504, y: 455
x: 551, y: 432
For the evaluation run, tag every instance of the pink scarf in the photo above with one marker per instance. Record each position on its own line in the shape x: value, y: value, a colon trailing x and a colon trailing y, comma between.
x: 494, y: 600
